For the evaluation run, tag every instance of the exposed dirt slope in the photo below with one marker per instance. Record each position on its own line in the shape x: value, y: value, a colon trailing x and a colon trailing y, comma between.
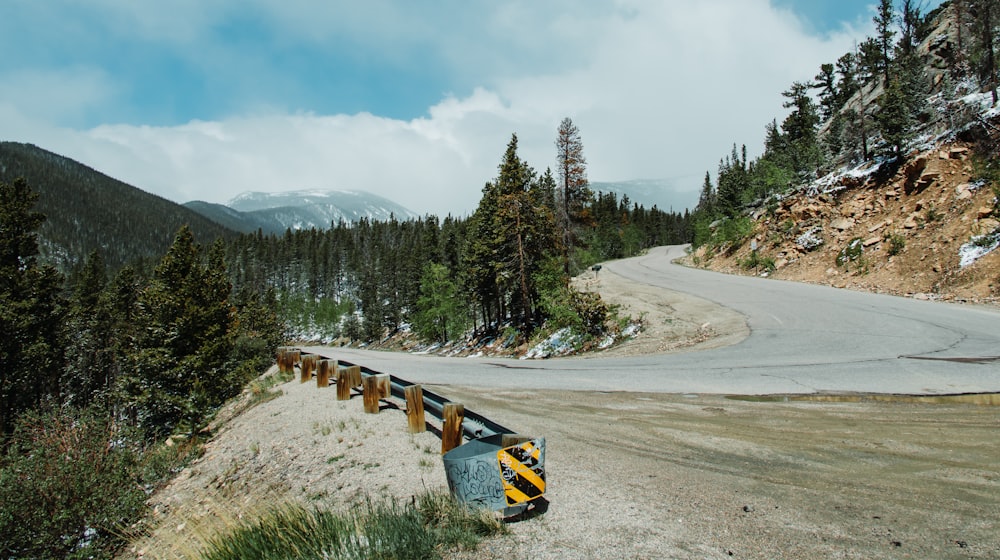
x: 909, y: 228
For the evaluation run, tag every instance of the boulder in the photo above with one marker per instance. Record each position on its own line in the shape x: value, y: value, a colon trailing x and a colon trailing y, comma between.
x: 985, y: 226
x: 842, y: 224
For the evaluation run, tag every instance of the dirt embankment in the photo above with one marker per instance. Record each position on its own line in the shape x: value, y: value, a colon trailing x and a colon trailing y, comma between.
x: 906, y: 233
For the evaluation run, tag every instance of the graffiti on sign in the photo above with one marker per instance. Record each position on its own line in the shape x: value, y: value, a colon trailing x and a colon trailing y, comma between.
x: 474, y: 481
x: 522, y: 471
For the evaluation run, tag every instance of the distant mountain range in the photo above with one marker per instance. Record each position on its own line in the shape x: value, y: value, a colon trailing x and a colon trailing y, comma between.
x: 277, y: 212
x: 87, y: 210
x: 662, y: 193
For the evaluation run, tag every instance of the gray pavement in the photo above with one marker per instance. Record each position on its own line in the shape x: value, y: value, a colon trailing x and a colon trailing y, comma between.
x: 803, y: 339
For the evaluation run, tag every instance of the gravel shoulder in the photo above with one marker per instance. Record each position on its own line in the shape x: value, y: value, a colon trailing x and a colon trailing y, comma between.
x: 633, y: 475
x: 671, y: 321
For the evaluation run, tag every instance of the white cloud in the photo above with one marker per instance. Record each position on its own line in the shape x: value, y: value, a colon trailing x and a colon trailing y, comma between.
x: 657, y: 88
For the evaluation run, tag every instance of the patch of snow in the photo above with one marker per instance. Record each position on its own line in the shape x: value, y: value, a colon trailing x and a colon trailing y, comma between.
x: 432, y: 348
x: 983, y: 103
x: 810, y: 239
x: 632, y: 330
x: 978, y: 247
x: 831, y: 182
x: 559, y: 343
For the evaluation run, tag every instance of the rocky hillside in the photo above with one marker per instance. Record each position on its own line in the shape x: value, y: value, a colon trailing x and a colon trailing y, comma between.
x: 912, y: 229
x: 919, y: 217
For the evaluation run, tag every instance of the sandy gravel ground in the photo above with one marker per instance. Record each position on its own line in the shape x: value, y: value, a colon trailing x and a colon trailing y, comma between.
x: 634, y: 475
x: 304, y: 447
x: 671, y: 321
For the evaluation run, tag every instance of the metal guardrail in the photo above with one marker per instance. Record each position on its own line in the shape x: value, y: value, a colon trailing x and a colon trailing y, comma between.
x: 510, y: 468
x: 473, y: 425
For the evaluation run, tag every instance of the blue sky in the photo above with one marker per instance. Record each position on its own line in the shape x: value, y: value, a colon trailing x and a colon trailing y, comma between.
x: 204, y: 99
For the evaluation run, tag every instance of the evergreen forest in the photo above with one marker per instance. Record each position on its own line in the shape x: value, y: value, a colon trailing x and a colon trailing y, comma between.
x: 505, y: 266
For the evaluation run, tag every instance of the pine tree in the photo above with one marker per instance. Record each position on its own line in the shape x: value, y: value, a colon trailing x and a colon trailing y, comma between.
x: 706, y: 200
x: 733, y: 183
x: 181, y: 361
x: 440, y: 311
x: 884, y: 20
x: 511, y: 234
x: 847, y: 82
x: 574, y: 194
x: 31, y: 310
x: 826, y: 83
x: 799, y: 130
x: 893, y: 118
x: 92, y: 353
x: 870, y: 60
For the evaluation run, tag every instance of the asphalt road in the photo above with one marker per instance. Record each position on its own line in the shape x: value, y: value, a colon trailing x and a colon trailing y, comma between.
x: 803, y: 339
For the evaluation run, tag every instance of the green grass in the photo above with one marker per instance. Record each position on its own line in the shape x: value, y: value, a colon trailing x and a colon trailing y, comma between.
x: 431, y: 524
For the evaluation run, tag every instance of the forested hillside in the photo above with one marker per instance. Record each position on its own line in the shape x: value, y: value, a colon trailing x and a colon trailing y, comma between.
x: 98, y: 370
x: 886, y: 169
x: 86, y: 211
x: 507, y: 265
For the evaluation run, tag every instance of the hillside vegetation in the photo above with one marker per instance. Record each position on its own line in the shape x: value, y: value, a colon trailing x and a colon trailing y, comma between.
x: 105, y: 364
x: 86, y: 211
x: 890, y: 182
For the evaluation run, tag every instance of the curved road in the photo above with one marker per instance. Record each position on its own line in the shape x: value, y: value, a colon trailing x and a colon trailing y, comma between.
x: 803, y: 339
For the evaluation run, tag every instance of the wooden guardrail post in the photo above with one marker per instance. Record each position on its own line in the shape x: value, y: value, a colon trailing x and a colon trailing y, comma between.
x: 309, y: 362
x: 415, y: 408
x: 296, y: 358
x: 285, y: 360
x: 323, y: 373
x: 384, y: 385
x: 372, y: 392
x: 355, y: 376
x: 451, y: 426
x: 343, y: 385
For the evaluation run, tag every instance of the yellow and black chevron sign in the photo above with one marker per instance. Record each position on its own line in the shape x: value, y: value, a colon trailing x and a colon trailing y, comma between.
x: 523, y: 472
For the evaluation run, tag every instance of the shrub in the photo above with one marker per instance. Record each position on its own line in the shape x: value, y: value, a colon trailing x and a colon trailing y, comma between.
x: 757, y: 262
x: 932, y: 214
x: 733, y: 231
x: 67, y: 487
x: 852, y: 252
x: 896, y: 244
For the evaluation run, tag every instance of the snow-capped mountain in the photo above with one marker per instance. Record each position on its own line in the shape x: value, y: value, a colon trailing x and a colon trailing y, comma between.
x: 276, y: 212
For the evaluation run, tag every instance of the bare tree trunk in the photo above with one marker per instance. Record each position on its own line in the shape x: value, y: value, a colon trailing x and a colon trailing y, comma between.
x: 991, y: 62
